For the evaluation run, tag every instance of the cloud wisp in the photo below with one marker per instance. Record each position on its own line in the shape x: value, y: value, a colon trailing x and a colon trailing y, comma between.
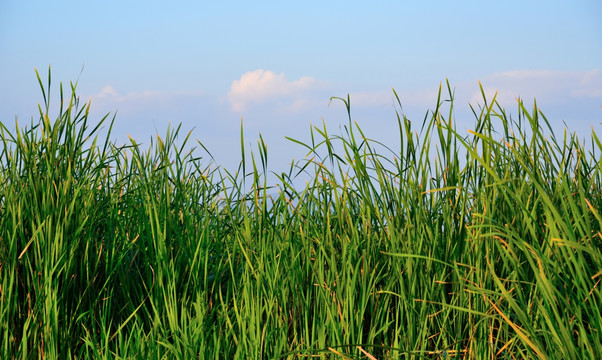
x: 268, y: 99
x: 110, y: 94
x: 547, y: 85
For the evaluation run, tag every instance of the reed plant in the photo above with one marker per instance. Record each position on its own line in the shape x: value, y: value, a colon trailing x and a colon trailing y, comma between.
x: 447, y: 245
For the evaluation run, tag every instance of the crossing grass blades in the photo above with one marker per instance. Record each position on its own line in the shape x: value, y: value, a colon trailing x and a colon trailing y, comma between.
x: 473, y: 245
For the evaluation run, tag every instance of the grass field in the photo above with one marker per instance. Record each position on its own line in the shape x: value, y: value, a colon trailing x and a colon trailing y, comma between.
x: 479, y: 246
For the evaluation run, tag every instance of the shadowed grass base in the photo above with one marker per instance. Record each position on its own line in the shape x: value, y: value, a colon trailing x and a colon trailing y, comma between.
x: 450, y: 246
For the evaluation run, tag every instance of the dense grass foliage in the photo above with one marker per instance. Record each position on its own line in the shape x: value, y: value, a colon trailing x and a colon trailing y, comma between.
x: 479, y: 246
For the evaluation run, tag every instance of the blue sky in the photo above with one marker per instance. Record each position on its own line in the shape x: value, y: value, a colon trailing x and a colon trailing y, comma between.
x: 276, y: 64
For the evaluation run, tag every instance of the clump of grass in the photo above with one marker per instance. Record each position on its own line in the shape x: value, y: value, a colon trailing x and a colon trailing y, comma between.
x: 483, y: 245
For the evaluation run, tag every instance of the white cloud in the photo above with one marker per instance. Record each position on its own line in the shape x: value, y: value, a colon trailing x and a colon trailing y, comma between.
x: 547, y: 85
x: 110, y: 100
x: 144, y: 110
x: 109, y: 94
x: 107, y: 91
x: 261, y: 86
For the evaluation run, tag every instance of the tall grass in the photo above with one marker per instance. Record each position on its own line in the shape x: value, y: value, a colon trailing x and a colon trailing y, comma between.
x: 486, y: 245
